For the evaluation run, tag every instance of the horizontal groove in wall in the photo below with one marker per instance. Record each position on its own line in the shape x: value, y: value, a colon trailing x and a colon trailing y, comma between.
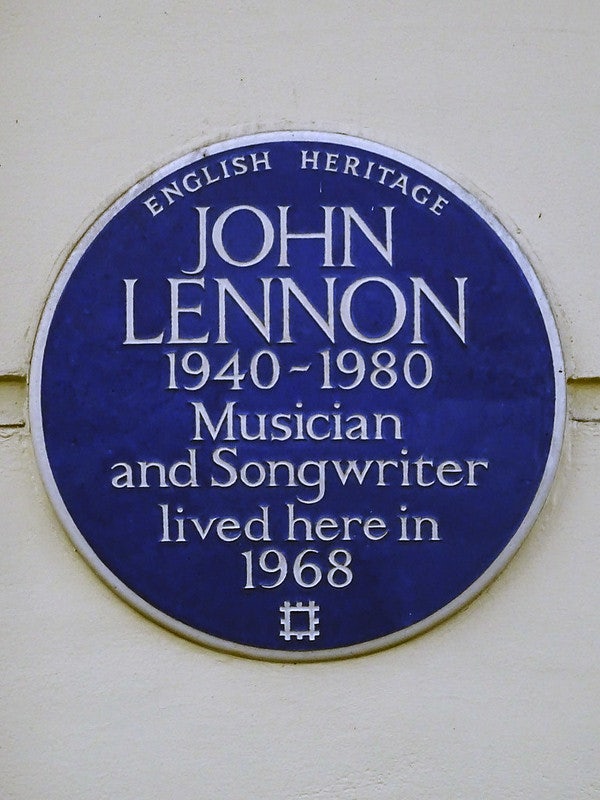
x: 12, y: 401
x: 583, y: 399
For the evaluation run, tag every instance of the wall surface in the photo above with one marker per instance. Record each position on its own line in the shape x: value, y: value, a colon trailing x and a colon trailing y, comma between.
x: 501, y: 701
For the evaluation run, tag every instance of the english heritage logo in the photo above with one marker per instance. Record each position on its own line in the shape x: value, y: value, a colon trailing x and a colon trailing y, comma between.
x: 297, y: 396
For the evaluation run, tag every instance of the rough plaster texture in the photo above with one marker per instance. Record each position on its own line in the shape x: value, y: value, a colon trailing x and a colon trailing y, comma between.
x: 501, y: 701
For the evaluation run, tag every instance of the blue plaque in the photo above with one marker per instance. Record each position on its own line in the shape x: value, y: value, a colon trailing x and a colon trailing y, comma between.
x: 297, y: 396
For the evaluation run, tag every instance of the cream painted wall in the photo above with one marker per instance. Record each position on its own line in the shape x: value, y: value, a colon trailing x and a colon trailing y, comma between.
x: 501, y: 701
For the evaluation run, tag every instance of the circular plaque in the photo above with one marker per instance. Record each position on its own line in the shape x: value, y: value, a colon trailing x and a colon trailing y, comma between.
x: 297, y: 396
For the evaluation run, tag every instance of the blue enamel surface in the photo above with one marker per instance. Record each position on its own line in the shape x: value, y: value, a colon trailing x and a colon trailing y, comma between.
x: 491, y: 398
